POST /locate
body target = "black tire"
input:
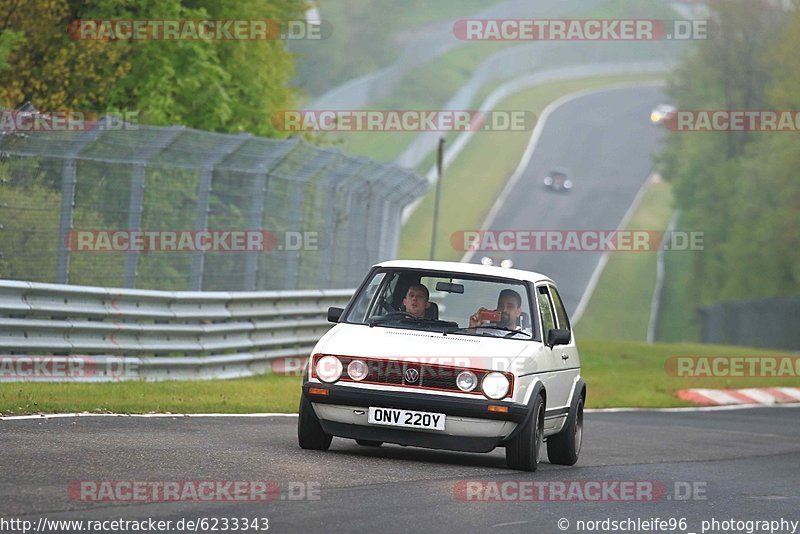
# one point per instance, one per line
(565, 447)
(369, 443)
(309, 432)
(524, 451)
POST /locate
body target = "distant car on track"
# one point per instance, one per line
(662, 113)
(410, 361)
(558, 180)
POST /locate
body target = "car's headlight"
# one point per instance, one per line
(548, 181)
(495, 385)
(467, 381)
(357, 370)
(655, 116)
(329, 369)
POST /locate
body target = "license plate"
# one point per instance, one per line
(405, 418)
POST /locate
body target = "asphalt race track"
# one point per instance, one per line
(606, 141)
(745, 465)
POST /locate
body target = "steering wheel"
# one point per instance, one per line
(386, 305)
(401, 314)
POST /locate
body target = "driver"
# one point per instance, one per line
(416, 300)
(509, 304)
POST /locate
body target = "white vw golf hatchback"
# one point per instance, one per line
(448, 356)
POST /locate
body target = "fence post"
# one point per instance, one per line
(331, 221)
(271, 162)
(304, 175)
(136, 206)
(224, 149)
(259, 189)
(69, 184)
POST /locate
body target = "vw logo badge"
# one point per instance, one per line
(411, 375)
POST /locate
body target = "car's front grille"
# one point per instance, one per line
(414, 374)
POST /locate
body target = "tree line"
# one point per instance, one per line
(217, 85)
(742, 189)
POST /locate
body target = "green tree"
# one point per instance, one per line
(222, 86)
(48, 68)
(740, 188)
(8, 40)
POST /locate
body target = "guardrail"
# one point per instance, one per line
(80, 333)
(655, 303)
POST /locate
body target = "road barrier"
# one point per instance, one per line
(768, 323)
(53, 332)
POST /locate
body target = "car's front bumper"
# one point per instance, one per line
(470, 426)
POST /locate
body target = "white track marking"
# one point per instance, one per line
(717, 396)
(265, 415)
(759, 395)
(792, 392)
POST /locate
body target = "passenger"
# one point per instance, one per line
(509, 304)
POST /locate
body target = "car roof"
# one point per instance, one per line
(466, 268)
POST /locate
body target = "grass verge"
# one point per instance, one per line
(609, 317)
(265, 393)
(676, 322)
(617, 373)
(632, 373)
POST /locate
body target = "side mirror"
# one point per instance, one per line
(334, 314)
(558, 337)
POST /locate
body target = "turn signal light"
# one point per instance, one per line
(499, 409)
(318, 391)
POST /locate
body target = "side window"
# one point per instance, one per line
(546, 311)
(561, 313)
(360, 310)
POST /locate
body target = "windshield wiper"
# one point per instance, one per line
(490, 326)
(393, 316)
(405, 317)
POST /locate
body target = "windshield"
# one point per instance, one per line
(450, 303)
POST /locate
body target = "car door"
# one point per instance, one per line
(559, 378)
(569, 358)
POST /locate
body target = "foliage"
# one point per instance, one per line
(226, 86)
(8, 40)
(740, 188)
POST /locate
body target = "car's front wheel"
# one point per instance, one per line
(525, 450)
(310, 434)
(565, 447)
